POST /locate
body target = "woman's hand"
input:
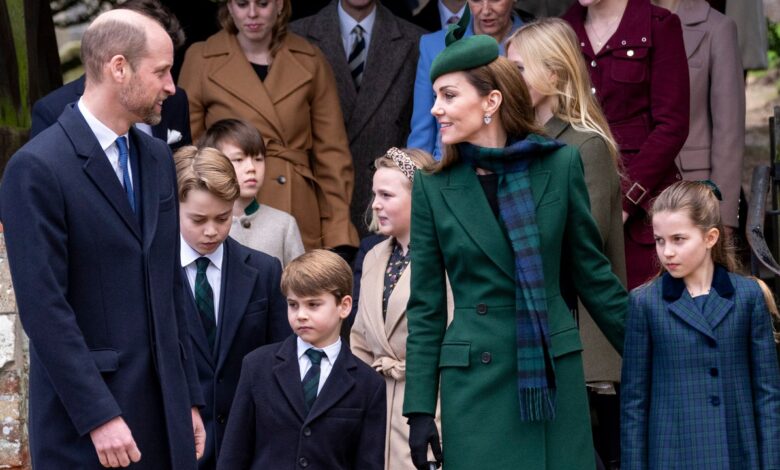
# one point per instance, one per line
(422, 433)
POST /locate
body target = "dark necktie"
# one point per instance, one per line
(204, 300)
(311, 381)
(357, 58)
(121, 144)
(453, 19)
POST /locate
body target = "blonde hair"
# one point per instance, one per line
(698, 201)
(206, 169)
(516, 113)
(315, 273)
(278, 30)
(550, 46)
(420, 158)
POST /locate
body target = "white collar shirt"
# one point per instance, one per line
(326, 366)
(445, 14)
(107, 140)
(347, 24)
(213, 271)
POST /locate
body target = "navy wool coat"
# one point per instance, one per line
(252, 313)
(700, 390)
(270, 429)
(98, 290)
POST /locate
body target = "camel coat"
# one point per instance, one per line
(308, 167)
(382, 345)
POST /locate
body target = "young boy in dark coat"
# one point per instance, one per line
(308, 402)
(235, 302)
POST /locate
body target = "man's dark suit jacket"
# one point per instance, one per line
(98, 291)
(175, 112)
(253, 313)
(377, 116)
(428, 18)
(269, 427)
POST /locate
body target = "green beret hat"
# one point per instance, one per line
(463, 53)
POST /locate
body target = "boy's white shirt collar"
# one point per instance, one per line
(331, 351)
(189, 255)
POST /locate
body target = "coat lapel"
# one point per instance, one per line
(326, 34)
(719, 303)
(340, 381)
(286, 75)
(235, 75)
(235, 297)
(287, 373)
(97, 166)
(687, 311)
(387, 52)
(150, 186)
(467, 201)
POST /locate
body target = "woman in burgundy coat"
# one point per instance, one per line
(637, 63)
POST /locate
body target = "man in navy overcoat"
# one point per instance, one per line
(90, 214)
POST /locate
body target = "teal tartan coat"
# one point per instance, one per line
(700, 391)
(473, 363)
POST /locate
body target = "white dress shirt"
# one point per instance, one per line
(445, 14)
(107, 140)
(331, 353)
(347, 24)
(213, 272)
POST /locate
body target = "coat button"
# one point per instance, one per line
(246, 224)
(593, 63)
(715, 401)
(711, 342)
(221, 419)
(482, 309)
(623, 42)
(714, 372)
(307, 431)
(630, 53)
(593, 90)
(303, 462)
(220, 380)
(486, 357)
(281, 179)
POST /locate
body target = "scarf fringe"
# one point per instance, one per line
(537, 404)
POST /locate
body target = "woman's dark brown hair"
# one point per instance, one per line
(516, 113)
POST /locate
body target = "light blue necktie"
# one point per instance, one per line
(121, 144)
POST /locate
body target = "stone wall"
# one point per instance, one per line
(13, 375)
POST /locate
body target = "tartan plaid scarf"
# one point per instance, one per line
(535, 372)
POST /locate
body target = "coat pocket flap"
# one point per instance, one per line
(257, 306)
(454, 355)
(565, 342)
(106, 360)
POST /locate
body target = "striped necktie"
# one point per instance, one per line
(204, 300)
(357, 58)
(121, 145)
(311, 381)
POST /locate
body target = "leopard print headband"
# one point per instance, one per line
(402, 161)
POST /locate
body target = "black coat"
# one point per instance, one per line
(269, 427)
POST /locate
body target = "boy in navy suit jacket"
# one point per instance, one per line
(235, 301)
(308, 401)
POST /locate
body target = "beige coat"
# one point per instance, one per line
(308, 167)
(382, 345)
(716, 136)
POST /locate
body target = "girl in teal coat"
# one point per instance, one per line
(497, 215)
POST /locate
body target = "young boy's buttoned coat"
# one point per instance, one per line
(700, 390)
(474, 360)
(270, 429)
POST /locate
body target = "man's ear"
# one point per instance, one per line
(119, 68)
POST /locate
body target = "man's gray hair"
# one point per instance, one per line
(106, 39)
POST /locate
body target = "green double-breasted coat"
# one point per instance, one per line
(473, 362)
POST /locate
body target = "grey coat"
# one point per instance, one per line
(377, 116)
(600, 360)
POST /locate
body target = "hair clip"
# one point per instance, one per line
(713, 187)
(402, 161)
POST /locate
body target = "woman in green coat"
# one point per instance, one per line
(501, 215)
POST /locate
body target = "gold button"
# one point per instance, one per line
(630, 53)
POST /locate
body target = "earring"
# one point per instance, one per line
(488, 118)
